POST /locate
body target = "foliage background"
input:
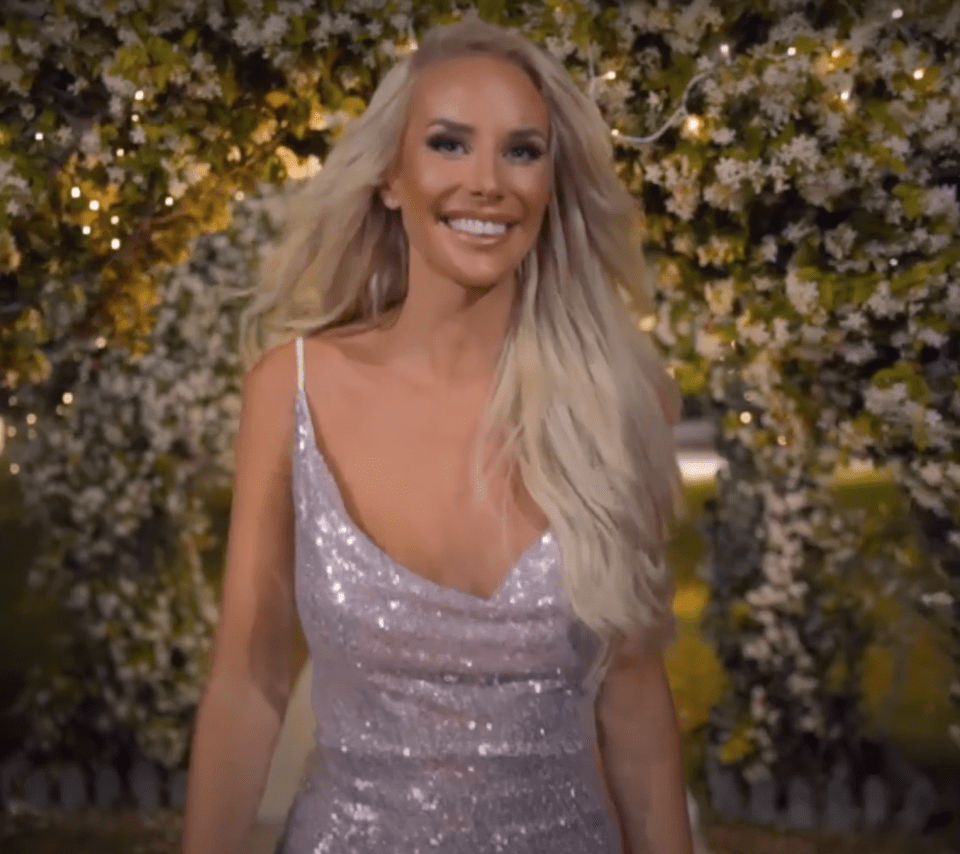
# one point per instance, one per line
(802, 211)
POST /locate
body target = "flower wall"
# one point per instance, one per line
(798, 165)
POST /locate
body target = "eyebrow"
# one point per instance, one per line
(519, 133)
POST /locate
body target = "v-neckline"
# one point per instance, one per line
(357, 531)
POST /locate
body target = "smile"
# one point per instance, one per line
(478, 230)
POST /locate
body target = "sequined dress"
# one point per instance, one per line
(446, 722)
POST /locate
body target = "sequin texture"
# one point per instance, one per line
(445, 722)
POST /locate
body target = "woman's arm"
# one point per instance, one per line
(639, 739)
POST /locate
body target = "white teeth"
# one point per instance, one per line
(476, 226)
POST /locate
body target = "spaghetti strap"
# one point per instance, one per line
(300, 364)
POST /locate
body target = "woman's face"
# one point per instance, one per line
(476, 146)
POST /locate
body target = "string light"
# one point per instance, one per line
(725, 49)
(119, 152)
(782, 441)
(67, 397)
(31, 418)
(791, 51)
(169, 201)
(94, 205)
(694, 124)
(114, 219)
(14, 468)
(101, 342)
(138, 95)
(75, 192)
(918, 74)
(38, 135)
(239, 196)
(115, 243)
(896, 14)
(745, 418)
(134, 118)
(845, 95)
(894, 262)
(86, 229)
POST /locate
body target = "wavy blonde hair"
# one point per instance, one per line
(581, 394)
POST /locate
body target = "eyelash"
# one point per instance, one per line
(534, 151)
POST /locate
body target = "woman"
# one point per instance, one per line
(465, 400)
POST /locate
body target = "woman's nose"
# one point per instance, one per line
(484, 175)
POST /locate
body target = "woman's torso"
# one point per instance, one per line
(453, 686)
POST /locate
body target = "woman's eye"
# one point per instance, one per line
(438, 142)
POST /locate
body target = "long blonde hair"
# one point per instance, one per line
(580, 393)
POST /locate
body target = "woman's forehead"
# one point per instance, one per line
(477, 87)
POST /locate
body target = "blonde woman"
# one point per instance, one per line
(455, 466)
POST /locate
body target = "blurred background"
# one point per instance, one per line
(798, 167)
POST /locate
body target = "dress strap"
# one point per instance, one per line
(300, 363)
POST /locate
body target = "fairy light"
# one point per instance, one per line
(11, 432)
(134, 118)
(610, 75)
(725, 49)
(896, 14)
(101, 342)
(694, 124)
(86, 229)
(31, 418)
(918, 74)
(845, 95)
(94, 205)
(835, 53)
(782, 441)
(38, 135)
(115, 243)
(745, 418)
(791, 51)
(67, 397)
(114, 219)
(75, 192)
(169, 201)
(14, 468)
(239, 196)
(120, 152)
(138, 95)
(894, 262)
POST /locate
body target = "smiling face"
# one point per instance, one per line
(476, 147)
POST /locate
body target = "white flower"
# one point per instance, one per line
(804, 296)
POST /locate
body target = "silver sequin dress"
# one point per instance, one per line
(446, 722)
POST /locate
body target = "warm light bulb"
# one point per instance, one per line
(694, 124)
(119, 152)
(614, 132)
(14, 468)
(75, 192)
(67, 397)
(918, 74)
(845, 96)
(38, 135)
(138, 95)
(725, 49)
(894, 262)
(791, 51)
(115, 243)
(134, 118)
(101, 342)
(169, 201)
(896, 14)
(239, 196)
(94, 205)
(610, 75)
(782, 441)
(745, 418)
(31, 418)
(114, 219)
(835, 52)
(86, 229)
